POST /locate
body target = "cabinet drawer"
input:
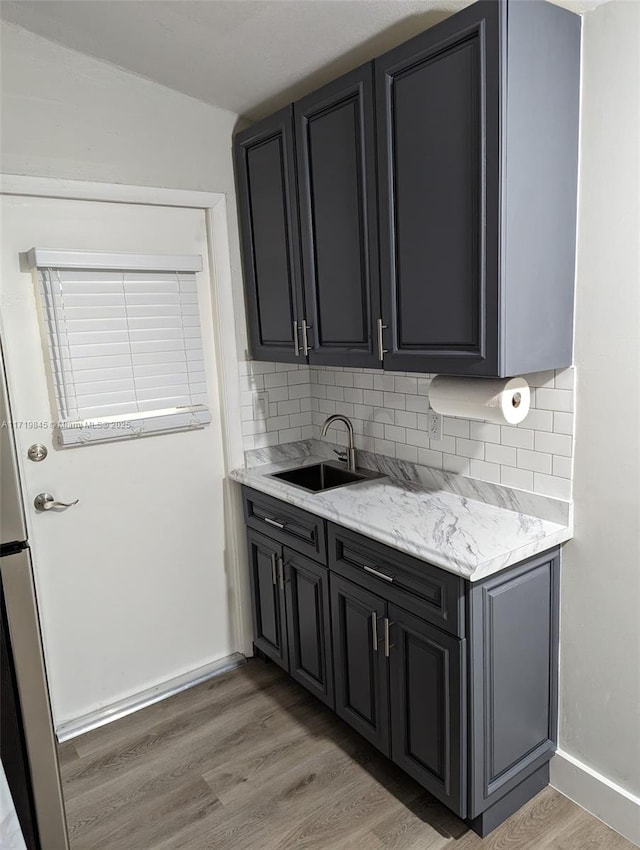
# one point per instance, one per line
(301, 531)
(427, 591)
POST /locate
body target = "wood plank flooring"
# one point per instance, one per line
(251, 761)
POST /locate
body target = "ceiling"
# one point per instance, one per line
(247, 56)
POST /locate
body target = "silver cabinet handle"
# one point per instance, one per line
(377, 573)
(305, 341)
(381, 349)
(274, 580)
(45, 501)
(387, 645)
(274, 522)
(296, 341)
(374, 630)
(281, 573)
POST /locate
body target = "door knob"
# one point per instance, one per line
(45, 501)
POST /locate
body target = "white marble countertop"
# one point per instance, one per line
(461, 535)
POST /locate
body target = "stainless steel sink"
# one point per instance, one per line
(319, 477)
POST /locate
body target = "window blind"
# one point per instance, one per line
(125, 350)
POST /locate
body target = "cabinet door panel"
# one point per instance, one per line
(308, 623)
(361, 672)
(267, 598)
(265, 175)
(437, 99)
(427, 706)
(335, 142)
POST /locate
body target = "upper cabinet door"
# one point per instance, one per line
(267, 203)
(437, 100)
(335, 144)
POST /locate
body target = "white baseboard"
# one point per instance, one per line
(107, 714)
(611, 803)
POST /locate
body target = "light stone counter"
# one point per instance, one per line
(464, 536)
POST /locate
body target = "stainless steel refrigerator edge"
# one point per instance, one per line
(26, 645)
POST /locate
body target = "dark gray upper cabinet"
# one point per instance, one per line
(477, 129)
(268, 212)
(335, 146)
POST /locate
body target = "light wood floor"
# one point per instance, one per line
(250, 760)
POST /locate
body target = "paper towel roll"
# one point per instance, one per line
(502, 401)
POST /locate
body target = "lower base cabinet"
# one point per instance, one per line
(456, 682)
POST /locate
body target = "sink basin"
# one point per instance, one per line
(324, 476)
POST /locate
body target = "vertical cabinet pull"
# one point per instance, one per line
(374, 630)
(305, 341)
(387, 628)
(281, 573)
(381, 349)
(273, 569)
(296, 341)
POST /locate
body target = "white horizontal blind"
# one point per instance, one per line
(125, 350)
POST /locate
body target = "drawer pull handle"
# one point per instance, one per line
(374, 630)
(377, 573)
(274, 522)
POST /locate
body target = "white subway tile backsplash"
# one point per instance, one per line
(469, 448)
(406, 452)
(364, 381)
(393, 432)
(275, 379)
(278, 394)
(557, 444)
(455, 427)
(562, 466)
(550, 485)
(406, 419)
(374, 397)
(504, 455)
(390, 411)
(534, 461)
(384, 382)
(406, 385)
(565, 379)
(384, 447)
(563, 423)
(521, 438)
(547, 399)
(288, 407)
(540, 379)
(538, 420)
(485, 431)
(417, 403)
(427, 457)
(521, 479)
(394, 400)
(344, 379)
(446, 444)
(458, 465)
(485, 471)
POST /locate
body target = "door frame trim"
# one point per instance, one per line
(214, 206)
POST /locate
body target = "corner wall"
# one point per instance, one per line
(599, 762)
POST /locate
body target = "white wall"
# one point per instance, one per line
(600, 627)
(67, 115)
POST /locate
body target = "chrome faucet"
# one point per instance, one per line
(350, 454)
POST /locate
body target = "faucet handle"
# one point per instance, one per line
(341, 455)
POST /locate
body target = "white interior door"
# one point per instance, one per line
(131, 581)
